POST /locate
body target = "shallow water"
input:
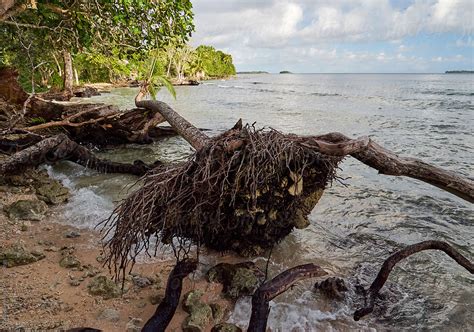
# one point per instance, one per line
(353, 228)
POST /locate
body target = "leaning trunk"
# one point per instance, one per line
(68, 79)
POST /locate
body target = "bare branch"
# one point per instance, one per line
(390, 263)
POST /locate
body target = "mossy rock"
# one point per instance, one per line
(52, 191)
(69, 262)
(16, 255)
(217, 312)
(238, 279)
(26, 210)
(226, 327)
(102, 286)
(200, 313)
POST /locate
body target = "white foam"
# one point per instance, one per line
(301, 315)
(85, 208)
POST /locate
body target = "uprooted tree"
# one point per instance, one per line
(243, 190)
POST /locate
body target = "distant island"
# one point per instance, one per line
(253, 72)
(459, 72)
(286, 72)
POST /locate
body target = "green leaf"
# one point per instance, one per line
(163, 80)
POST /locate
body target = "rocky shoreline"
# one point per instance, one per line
(53, 275)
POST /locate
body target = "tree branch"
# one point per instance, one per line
(271, 289)
(60, 147)
(390, 263)
(389, 163)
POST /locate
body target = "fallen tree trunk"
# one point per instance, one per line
(167, 307)
(390, 263)
(247, 189)
(336, 144)
(271, 289)
(60, 147)
(190, 133)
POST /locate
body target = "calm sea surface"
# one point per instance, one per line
(354, 227)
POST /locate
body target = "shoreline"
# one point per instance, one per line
(45, 295)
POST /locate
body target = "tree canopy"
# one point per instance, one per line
(77, 24)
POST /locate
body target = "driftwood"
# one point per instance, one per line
(390, 263)
(271, 289)
(167, 307)
(336, 144)
(60, 147)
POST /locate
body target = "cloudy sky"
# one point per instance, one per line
(340, 35)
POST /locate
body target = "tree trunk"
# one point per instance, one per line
(167, 307)
(60, 147)
(190, 133)
(68, 79)
(271, 289)
(336, 144)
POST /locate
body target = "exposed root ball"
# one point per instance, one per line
(244, 191)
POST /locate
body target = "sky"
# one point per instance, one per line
(340, 36)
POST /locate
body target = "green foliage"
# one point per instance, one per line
(109, 38)
(135, 25)
(155, 80)
(214, 63)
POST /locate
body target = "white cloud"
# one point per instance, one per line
(276, 30)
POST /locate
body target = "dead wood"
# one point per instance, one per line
(15, 140)
(167, 307)
(389, 163)
(60, 147)
(190, 133)
(336, 144)
(271, 289)
(390, 263)
(247, 189)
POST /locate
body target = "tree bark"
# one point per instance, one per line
(389, 163)
(390, 263)
(167, 307)
(184, 128)
(68, 79)
(271, 289)
(60, 147)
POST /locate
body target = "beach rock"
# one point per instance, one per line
(134, 325)
(85, 92)
(26, 210)
(200, 313)
(72, 234)
(69, 261)
(333, 288)
(141, 282)
(17, 254)
(51, 191)
(226, 327)
(102, 286)
(239, 280)
(74, 282)
(109, 314)
(217, 312)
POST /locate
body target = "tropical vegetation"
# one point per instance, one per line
(58, 43)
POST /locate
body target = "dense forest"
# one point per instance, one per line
(58, 44)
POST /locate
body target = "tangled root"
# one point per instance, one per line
(244, 191)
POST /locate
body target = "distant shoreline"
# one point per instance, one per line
(459, 72)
